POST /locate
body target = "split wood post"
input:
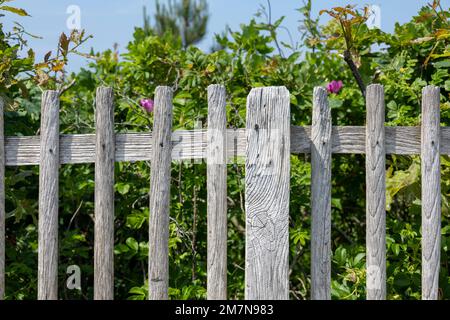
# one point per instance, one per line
(217, 194)
(431, 192)
(48, 198)
(375, 194)
(267, 187)
(160, 196)
(2, 202)
(321, 197)
(104, 196)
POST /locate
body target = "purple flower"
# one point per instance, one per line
(334, 86)
(147, 104)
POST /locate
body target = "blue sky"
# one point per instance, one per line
(113, 21)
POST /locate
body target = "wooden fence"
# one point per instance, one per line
(266, 143)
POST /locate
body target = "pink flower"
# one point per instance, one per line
(147, 104)
(334, 86)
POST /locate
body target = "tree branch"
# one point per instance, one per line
(355, 72)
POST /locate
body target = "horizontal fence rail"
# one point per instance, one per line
(266, 144)
(192, 144)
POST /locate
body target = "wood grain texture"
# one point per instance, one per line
(130, 147)
(160, 196)
(2, 201)
(217, 194)
(48, 198)
(431, 192)
(321, 197)
(104, 196)
(267, 186)
(375, 194)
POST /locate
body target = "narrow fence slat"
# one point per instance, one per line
(2, 202)
(160, 196)
(217, 194)
(48, 198)
(375, 194)
(267, 186)
(321, 197)
(104, 196)
(431, 192)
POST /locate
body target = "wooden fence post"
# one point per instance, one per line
(431, 192)
(160, 196)
(217, 194)
(48, 198)
(375, 194)
(2, 202)
(267, 187)
(104, 196)
(321, 197)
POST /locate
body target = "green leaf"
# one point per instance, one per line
(136, 220)
(447, 85)
(123, 188)
(133, 244)
(121, 248)
(442, 64)
(18, 11)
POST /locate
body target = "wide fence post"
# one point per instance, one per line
(48, 198)
(267, 187)
(2, 202)
(217, 194)
(160, 196)
(375, 194)
(431, 192)
(321, 196)
(104, 196)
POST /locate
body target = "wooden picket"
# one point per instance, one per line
(375, 194)
(217, 194)
(431, 192)
(104, 196)
(321, 197)
(266, 143)
(2, 202)
(158, 257)
(267, 185)
(48, 198)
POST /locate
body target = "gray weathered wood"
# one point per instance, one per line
(375, 194)
(431, 193)
(321, 197)
(217, 194)
(80, 148)
(160, 196)
(2, 202)
(48, 198)
(104, 196)
(267, 184)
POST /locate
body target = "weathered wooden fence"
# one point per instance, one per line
(266, 143)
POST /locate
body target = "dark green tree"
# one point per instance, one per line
(186, 19)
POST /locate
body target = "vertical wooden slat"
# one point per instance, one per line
(431, 192)
(321, 197)
(217, 194)
(160, 196)
(48, 198)
(2, 202)
(104, 196)
(267, 182)
(375, 194)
